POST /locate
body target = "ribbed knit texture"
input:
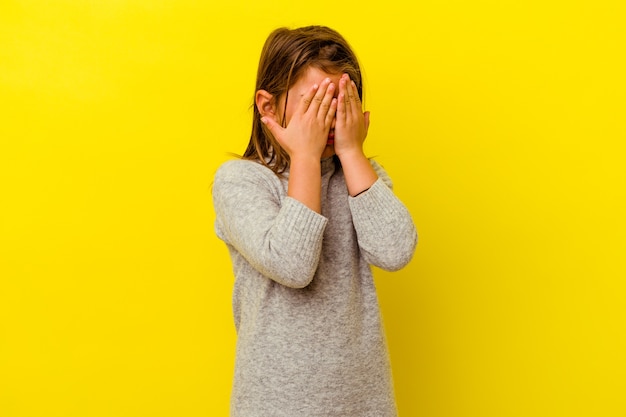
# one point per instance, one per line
(310, 341)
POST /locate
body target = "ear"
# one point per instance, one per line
(265, 103)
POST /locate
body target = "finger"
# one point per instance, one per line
(318, 98)
(307, 98)
(273, 126)
(355, 101)
(349, 97)
(342, 107)
(326, 101)
(330, 115)
(366, 118)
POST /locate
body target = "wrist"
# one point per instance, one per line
(349, 156)
(305, 181)
(358, 172)
(305, 159)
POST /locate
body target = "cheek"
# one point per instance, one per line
(289, 111)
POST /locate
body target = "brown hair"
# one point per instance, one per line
(285, 57)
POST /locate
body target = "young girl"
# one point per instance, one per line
(304, 214)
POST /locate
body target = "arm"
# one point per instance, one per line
(304, 140)
(279, 236)
(350, 132)
(385, 230)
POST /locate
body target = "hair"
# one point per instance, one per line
(285, 57)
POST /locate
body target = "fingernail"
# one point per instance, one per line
(264, 120)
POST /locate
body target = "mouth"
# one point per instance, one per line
(331, 138)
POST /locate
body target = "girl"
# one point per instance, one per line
(304, 214)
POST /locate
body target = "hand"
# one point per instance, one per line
(307, 130)
(352, 123)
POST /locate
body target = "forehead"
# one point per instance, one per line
(313, 75)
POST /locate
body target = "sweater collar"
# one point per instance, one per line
(328, 164)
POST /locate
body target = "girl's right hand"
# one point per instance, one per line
(307, 129)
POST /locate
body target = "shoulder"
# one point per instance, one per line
(239, 166)
(243, 169)
(244, 173)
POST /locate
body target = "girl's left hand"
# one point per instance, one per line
(352, 123)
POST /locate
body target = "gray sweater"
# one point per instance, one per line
(310, 341)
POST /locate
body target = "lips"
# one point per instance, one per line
(331, 138)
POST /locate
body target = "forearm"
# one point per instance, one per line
(358, 171)
(279, 237)
(385, 229)
(305, 182)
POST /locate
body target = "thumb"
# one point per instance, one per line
(272, 125)
(366, 119)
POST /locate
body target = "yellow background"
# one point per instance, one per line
(502, 124)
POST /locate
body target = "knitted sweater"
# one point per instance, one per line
(310, 341)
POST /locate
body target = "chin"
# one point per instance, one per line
(328, 151)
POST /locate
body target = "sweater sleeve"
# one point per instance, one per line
(277, 235)
(385, 231)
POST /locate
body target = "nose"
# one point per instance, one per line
(332, 125)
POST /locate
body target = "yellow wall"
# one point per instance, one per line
(501, 122)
